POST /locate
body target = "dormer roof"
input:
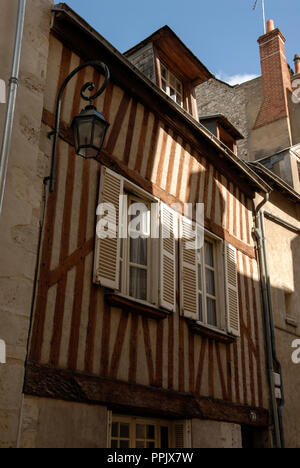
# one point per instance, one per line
(182, 59)
(224, 122)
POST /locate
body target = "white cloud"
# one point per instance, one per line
(235, 79)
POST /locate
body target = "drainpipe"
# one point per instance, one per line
(272, 328)
(272, 359)
(12, 97)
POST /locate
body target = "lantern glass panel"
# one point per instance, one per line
(85, 128)
(89, 130)
(100, 128)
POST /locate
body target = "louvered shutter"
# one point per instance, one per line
(233, 313)
(107, 251)
(182, 435)
(168, 234)
(188, 271)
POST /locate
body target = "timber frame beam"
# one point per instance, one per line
(49, 382)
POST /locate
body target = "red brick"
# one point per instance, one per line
(276, 78)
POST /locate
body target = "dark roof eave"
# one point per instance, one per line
(168, 30)
(226, 123)
(275, 181)
(257, 182)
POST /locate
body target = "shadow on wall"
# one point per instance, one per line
(291, 370)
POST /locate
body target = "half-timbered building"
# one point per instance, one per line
(143, 342)
(129, 337)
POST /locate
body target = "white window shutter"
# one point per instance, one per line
(168, 235)
(188, 271)
(233, 312)
(107, 251)
(182, 437)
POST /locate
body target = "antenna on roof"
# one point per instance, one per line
(263, 12)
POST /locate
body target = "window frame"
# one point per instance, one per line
(134, 191)
(205, 295)
(167, 80)
(219, 269)
(125, 261)
(133, 421)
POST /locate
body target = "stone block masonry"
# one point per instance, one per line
(19, 222)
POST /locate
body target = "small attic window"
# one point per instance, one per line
(171, 85)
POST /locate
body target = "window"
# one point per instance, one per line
(131, 432)
(140, 264)
(120, 435)
(171, 85)
(207, 287)
(139, 433)
(135, 252)
(209, 294)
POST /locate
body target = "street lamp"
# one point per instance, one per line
(89, 130)
(89, 127)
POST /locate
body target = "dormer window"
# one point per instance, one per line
(171, 85)
(168, 63)
(219, 126)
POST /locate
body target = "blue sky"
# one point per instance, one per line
(222, 33)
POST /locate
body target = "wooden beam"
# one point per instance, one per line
(49, 382)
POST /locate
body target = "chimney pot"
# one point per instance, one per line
(297, 64)
(270, 26)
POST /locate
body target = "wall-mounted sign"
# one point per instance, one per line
(2, 352)
(2, 92)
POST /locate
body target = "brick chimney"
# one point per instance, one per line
(276, 77)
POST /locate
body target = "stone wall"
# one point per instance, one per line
(213, 434)
(241, 105)
(19, 222)
(57, 424)
(216, 97)
(283, 249)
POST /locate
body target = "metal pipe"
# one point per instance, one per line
(272, 329)
(282, 222)
(269, 324)
(12, 97)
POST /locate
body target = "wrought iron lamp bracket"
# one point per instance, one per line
(90, 86)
